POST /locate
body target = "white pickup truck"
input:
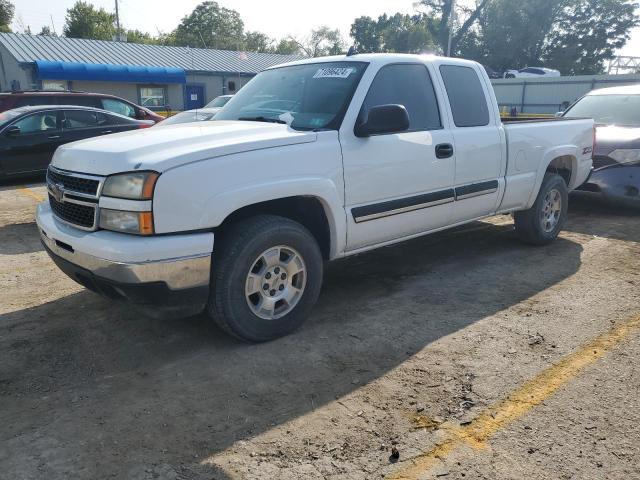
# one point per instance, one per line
(311, 161)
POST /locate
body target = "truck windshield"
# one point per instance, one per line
(608, 109)
(313, 96)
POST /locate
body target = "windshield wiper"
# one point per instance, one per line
(263, 119)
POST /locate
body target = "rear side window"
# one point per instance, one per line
(466, 96)
(408, 85)
(79, 119)
(118, 106)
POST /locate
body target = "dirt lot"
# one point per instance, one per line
(472, 355)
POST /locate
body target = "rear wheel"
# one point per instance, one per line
(266, 277)
(542, 223)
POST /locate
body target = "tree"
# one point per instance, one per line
(587, 33)
(287, 46)
(257, 42)
(46, 31)
(398, 33)
(211, 26)
(137, 36)
(322, 41)
(83, 20)
(439, 15)
(7, 10)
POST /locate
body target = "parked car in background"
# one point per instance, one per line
(531, 72)
(11, 100)
(218, 102)
(236, 216)
(189, 116)
(30, 135)
(616, 155)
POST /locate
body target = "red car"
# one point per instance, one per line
(11, 100)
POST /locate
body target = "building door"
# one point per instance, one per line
(194, 97)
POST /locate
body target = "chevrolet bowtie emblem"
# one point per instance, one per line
(57, 191)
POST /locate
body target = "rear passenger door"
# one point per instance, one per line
(81, 124)
(478, 139)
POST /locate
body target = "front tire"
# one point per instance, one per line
(541, 224)
(267, 275)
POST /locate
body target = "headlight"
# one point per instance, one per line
(140, 223)
(132, 185)
(626, 155)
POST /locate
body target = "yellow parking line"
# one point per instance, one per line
(30, 193)
(519, 402)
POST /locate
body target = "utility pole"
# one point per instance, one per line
(118, 39)
(451, 15)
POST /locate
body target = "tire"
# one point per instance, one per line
(259, 252)
(542, 223)
(509, 75)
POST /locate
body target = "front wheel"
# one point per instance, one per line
(542, 223)
(266, 277)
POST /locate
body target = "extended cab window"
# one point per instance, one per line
(408, 85)
(466, 96)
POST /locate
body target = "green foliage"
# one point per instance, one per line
(83, 20)
(211, 26)
(46, 31)
(137, 36)
(587, 33)
(257, 42)
(287, 46)
(6, 15)
(398, 33)
(322, 41)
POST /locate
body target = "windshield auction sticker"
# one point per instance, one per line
(333, 72)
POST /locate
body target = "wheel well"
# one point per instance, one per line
(307, 211)
(562, 166)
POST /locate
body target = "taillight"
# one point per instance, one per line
(145, 125)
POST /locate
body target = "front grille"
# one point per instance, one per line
(81, 215)
(73, 183)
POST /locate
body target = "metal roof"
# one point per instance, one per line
(29, 48)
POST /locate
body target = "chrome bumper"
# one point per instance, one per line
(178, 273)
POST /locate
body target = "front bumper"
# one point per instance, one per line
(171, 271)
(617, 184)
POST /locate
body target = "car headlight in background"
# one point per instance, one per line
(626, 155)
(131, 186)
(139, 223)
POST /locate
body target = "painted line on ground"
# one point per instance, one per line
(525, 398)
(30, 193)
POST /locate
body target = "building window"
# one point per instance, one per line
(54, 85)
(232, 85)
(153, 97)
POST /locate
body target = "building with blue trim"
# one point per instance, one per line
(154, 76)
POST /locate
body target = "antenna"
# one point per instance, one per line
(53, 27)
(118, 38)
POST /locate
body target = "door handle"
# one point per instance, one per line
(444, 150)
(53, 137)
(107, 131)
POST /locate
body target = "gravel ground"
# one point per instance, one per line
(407, 345)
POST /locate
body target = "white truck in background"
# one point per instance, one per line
(311, 161)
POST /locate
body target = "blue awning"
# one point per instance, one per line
(104, 72)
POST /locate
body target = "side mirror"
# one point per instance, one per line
(383, 119)
(12, 131)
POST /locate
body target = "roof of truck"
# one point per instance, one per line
(384, 58)
(622, 90)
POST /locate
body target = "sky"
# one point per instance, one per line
(276, 18)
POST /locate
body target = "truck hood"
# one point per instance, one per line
(162, 148)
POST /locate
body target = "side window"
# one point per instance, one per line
(74, 119)
(466, 96)
(79, 100)
(408, 85)
(118, 106)
(35, 100)
(37, 123)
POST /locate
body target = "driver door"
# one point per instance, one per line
(398, 184)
